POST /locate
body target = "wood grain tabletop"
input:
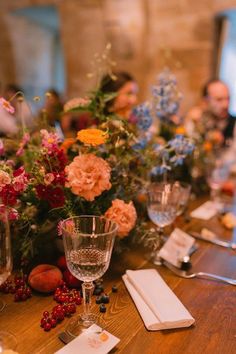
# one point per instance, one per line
(211, 303)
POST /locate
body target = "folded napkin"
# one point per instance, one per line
(158, 306)
(207, 210)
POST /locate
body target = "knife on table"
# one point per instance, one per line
(215, 241)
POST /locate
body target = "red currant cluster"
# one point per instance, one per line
(65, 295)
(18, 287)
(58, 314)
(67, 299)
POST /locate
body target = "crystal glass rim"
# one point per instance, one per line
(89, 217)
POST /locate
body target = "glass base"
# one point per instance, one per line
(153, 258)
(7, 341)
(81, 323)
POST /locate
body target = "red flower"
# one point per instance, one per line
(53, 195)
(8, 195)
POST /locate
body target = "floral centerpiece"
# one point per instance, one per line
(100, 172)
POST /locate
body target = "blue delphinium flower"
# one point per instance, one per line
(181, 145)
(143, 114)
(166, 96)
(140, 145)
(159, 170)
(177, 160)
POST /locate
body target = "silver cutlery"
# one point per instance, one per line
(65, 337)
(188, 275)
(215, 241)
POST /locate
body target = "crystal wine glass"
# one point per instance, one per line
(88, 241)
(217, 174)
(185, 190)
(7, 339)
(5, 251)
(163, 203)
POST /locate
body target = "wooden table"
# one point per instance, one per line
(211, 303)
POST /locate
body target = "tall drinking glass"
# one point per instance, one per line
(163, 203)
(7, 339)
(217, 175)
(88, 241)
(185, 191)
(5, 252)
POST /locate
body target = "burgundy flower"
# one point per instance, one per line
(9, 195)
(53, 195)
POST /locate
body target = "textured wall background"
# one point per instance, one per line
(145, 36)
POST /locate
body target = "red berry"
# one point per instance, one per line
(43, 322)
(53, 322)
(46, 314)
(71, 308)
(47, 327)
(78, 300)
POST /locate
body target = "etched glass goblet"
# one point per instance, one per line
(217, 174)
(88, 242)
(5, 251)
(185, 190)
(162, 206)
(7, 339)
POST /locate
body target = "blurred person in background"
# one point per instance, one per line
(126, 89)
(8, 124)
(212, 116)
(53, 107)
(52, 110)
(23, 113)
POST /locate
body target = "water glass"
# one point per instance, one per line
(163, 203)
(185, 191)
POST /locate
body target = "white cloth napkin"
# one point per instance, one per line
(158, 306)
(206, 211)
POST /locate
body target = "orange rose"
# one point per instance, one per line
(92, 137)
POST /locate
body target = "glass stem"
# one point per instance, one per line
(87, 288)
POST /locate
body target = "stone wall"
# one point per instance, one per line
(146, 35)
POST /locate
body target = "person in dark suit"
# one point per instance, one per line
(212, 118)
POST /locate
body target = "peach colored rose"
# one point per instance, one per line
(124, 214)
(88, 176)
(4, 179)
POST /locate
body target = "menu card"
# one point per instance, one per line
(207, 210)
(176, 247)
(94, 340)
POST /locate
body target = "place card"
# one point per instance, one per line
(176, 247)
(206, 211)
(94, 340)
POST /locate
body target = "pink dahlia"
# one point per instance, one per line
(124, 214)
(88, 176)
